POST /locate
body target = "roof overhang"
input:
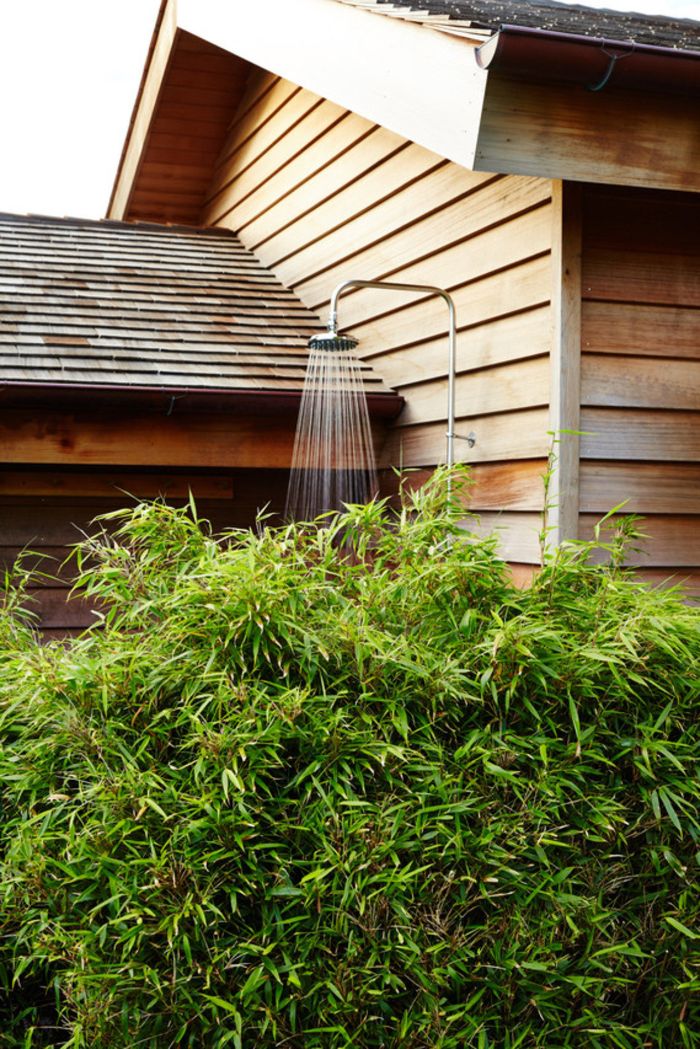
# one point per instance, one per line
(170, 400)
(368, 65)
(527, 101)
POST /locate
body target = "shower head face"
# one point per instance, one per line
(332, 342)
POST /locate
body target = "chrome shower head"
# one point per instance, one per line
(332, 342)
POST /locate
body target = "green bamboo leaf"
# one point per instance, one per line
(221, 1003)
(680, 927)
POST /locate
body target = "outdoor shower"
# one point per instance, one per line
(333, 459)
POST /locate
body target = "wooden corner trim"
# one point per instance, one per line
(565, 396)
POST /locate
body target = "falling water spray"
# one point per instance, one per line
(333, 459)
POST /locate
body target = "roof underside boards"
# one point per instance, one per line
(197, 99)
(488, 16)
(139, 305)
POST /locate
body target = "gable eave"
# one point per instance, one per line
(152, 78)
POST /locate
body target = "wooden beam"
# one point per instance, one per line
(565, 396)
(425, 86)
(220, 441)
(149, 93)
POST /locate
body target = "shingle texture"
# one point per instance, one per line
(110, 303)
(490, 15)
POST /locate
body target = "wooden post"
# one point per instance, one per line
(565, 396)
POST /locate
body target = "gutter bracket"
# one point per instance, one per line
(614, 57)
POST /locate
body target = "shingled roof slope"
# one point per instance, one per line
(104, 303)
(487, 16)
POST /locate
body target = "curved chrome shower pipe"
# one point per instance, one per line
(420, 289)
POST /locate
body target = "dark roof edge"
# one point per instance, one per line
(546, 54)
(168, 398)
(600, 41)
(106, 223)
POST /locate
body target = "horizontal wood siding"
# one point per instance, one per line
(640, 382)
(322, 195)
(620, 137)
(43, 513)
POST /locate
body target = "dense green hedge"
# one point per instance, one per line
(349, 787)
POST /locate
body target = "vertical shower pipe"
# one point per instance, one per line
(420, 289)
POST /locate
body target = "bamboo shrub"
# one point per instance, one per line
(349, 787)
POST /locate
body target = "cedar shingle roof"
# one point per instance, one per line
(112, 303)
(487, 16)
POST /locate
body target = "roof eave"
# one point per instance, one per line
(169, 399)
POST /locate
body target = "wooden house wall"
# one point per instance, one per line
(321, 195)
(45, 511)
(640, 370)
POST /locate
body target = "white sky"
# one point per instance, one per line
(69, 72)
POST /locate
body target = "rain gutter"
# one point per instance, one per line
(591, 62)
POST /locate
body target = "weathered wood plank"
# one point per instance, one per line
(388, 193)
(636, 434)
(663, 278)
(143, 116)
(51, 525)
(645, 488)
(687, 579)
(610, 381)
(364, 222)
(638, 330)
(337, 152)
(321, 162)
(263, 95)
(256, 155)
(59, 612)
(612, 219)
(48, 563)
(247, 173)
(562, 131)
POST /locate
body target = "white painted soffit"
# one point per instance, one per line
(425, 86)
